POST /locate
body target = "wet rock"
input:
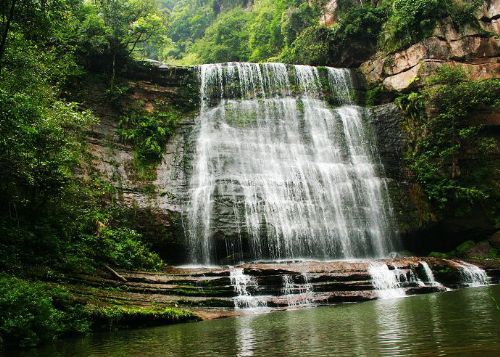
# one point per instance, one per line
(495, 240)
(208, 290)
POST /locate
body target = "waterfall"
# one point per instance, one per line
(279, 172)
(386, 282)
(242, 284)
(429, 275)
(297, 294)
(340, 81)
(472, 275)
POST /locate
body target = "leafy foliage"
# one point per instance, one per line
(53, 208)
(149, 132)
(32, 313)
(289, 29)
(443, 136)
(411, 21)
(355, 33)
(226, 39)
(312, 47)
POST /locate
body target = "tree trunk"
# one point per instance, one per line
(5, 33)
(113, 71)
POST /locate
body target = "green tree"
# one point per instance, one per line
(128, 25)
(226, 39)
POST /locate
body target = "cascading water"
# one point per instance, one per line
(473, 275)
(297, 177)
(297, 294)
(242, 284)
(431, 280)
(385, 281)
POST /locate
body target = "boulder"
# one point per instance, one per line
(495, 240)
(479, 250)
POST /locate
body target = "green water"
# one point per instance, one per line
(464, 322)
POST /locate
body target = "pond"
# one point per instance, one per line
(465, 322)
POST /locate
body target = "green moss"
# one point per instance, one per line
(208, 303)
(463, 249)
(438, 255)
(202, 292)
(443, 270)
(126, 316)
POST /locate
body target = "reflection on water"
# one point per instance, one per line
(464, 322)
(245, 337)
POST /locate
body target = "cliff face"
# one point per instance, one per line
(156, 199)
(476, 49)
(160, 201)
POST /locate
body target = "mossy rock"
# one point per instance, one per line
(438, 255)
(463, 249)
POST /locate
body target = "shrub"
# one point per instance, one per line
(32, 313)
(310, 47)
(443, 139)
(149, 132)
(412, 21)
(226, 39)
(122, 247)
(352, 40)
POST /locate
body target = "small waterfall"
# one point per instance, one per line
(429, 275)
(297, 294)
(289, 175)
(387, 282)
(473, 275)
(340, 81)
(415, 279)
(242, 284)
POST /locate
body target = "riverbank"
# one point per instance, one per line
(108, 299)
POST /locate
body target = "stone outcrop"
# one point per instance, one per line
(210, 292)
(476, 49)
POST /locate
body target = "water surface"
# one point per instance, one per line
(464, 322)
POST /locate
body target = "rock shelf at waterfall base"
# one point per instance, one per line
(224, 291)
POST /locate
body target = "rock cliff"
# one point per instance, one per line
(476, 49)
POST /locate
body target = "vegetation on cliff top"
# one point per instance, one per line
(58, 214)
(289, 30)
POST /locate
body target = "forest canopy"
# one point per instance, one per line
(296, 31)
